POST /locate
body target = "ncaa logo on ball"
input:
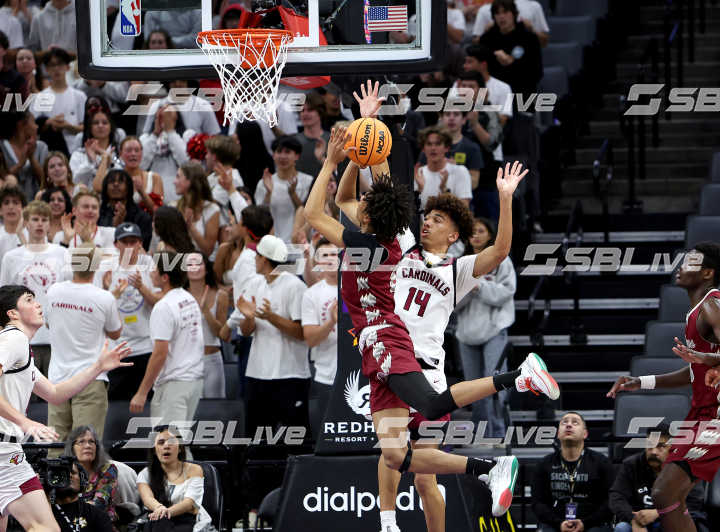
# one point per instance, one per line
(380, 142)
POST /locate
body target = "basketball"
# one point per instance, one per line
(372, 140)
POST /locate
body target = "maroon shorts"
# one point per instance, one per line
(390, 352)
(702, 454)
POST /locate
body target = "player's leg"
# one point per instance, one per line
(32, 511)
(669, 491)
(432, 500)
(388, 481)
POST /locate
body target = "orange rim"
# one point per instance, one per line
(229, 38)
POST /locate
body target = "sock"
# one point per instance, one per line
(478, 466)
(506, 381)
(387, 518)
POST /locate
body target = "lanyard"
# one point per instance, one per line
(74, 527)
(571, 477)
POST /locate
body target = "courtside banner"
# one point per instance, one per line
(330, 493)
(347, 427)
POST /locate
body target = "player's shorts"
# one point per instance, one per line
(387, 351)
(702, 454)
(16, 475)
(437, 380)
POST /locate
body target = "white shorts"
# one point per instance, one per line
(16, 475)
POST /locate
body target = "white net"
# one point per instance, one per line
(250, 65)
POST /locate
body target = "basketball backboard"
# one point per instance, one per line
(109, 30)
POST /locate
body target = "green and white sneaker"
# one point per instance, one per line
(534, 377)
(501, 481)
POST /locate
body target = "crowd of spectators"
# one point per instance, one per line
(82, 177)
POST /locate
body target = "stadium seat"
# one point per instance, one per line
(713, 492)
(269, 508)
(674, 303)
(231, 381)
(573, 8)
(223, 410)
(659, 337)
(117, 419)
(566, 54)
(572, 29)
(715, 168)
(212, 493)
(669, 406)
(701, 229)
(642, 365)
(555, 81)
(38, 411)
(710, 198)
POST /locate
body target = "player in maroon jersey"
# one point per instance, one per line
(699, 459)
(396, 378)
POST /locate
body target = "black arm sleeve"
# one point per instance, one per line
(621, 494)
(542, 505)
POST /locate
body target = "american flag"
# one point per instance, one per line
(387, 18)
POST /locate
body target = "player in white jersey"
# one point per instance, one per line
(21, 494)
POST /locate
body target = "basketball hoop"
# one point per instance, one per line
(249, 63)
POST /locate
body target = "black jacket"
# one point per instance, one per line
(632, 489)
(81, 516)
(551, 489)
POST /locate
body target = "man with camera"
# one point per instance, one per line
(21, 493)
(72, 514)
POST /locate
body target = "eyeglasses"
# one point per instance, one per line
(83, 443)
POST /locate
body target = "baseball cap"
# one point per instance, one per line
(127, 229)
(273, 248)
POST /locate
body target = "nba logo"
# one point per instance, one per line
(130, 17)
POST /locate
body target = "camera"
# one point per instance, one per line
(54, 473)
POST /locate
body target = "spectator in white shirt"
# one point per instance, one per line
(99, 137)
(149, 188)
(530, 13)
(498, 92)
(128, 279)
(319, 321)
(278, 371)
(286, 189)
(439, 176)
(79, 316)
(175, 369)
(68, 111)
(86, 212)
(197, 113)
(23, 152)
(222, 153)
(164, 149)
(11, 27)
(57, 173)
(54, 26)
(37, 265)
(60, 205)
(196, 204)
(12, 202)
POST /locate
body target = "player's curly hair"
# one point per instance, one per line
(456, 209)
(389, 206)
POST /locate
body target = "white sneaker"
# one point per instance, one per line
(534, 377)
(391, 528)
(501, 481)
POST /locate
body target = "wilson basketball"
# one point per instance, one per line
(372, 140)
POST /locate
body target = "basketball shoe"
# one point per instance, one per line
(534, 377)
(501, 481)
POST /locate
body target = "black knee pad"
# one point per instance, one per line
(405, 466)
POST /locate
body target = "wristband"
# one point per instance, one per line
(647, 382)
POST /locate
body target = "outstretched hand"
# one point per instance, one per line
(508, 180)
(370, 103)
(113, 358)
(336, 152)
(624, 384)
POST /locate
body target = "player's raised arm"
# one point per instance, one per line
(315, 213)
(489, 258)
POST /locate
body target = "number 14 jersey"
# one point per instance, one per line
(426, 289)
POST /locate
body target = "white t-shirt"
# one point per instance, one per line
(78, 314)
(458, 182)
(281, 205)
(529, 10)
(210, 208)
(219, 194)
(12, 29)
(243, 271)
(71, 104)
(273, 354)
(177, 319)
(316, 303)
(15, 388)
(104, 237)
(8, 241)
(134, 310)
(426, 296)
(455, 18)
(37, 269)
